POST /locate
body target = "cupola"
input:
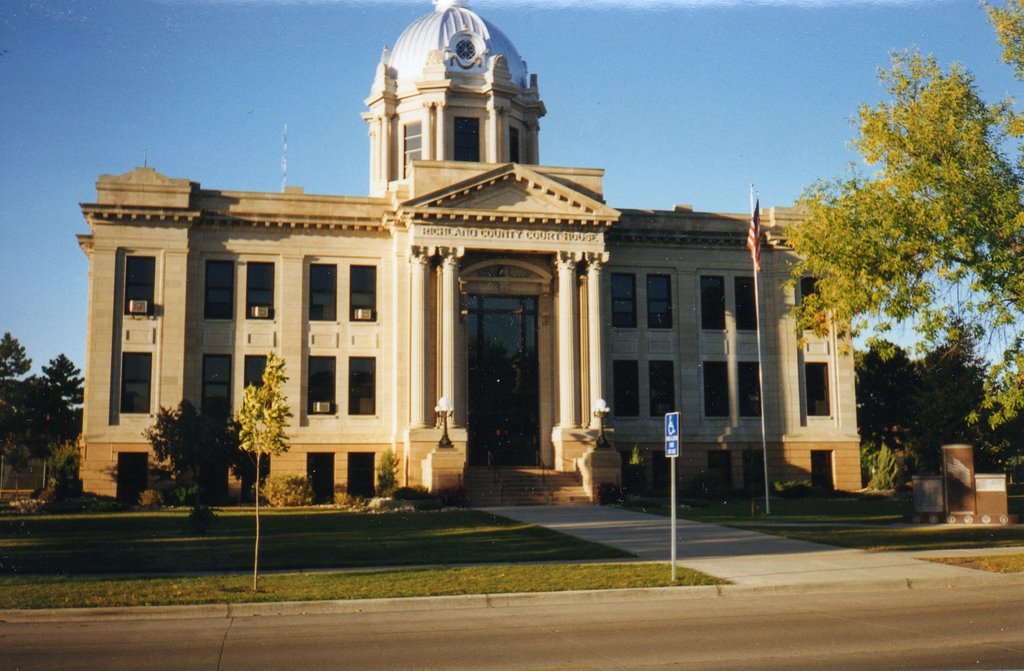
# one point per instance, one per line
(454, 88)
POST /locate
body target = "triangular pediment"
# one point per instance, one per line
(513, 192)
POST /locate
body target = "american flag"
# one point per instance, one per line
(754, 236)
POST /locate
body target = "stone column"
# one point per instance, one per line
(448, 319)
(430, 133)
(418, 269)
(568, 354)
(595, 262)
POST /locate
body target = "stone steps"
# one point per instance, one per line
(508, 486)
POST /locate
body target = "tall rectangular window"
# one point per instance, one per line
(139, 280)
(252, 374)
(712, 302)
(659, 302)
(413, 146)
(259, 290)
(362, 385)
(216, 398)
(808, 286)
(467, 139)
(320, 396)
(623, 300)
(363, 293)
(749, 387)
(513, 145)
(662, 387)
(816, 384)
(746, 304)
(323, 292)
(220, 290)
(626, 378)
(136, 374)
(716, 389)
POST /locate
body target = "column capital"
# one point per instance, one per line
(450, 255)
(566, 260)
(420, 254)
(595, 260)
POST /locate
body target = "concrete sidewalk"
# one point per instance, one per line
(746, 558)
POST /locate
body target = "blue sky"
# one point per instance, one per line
(680, 101)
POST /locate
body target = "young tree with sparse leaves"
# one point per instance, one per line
(262, 419)
(934, 235)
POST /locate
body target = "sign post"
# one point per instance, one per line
(672, 451)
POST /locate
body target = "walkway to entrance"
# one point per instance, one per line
(743, 557)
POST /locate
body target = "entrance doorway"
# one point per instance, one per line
(821, 470)
(504, 390)
(132, 475)
(320, 470)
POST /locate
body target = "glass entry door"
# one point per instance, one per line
(504, 394)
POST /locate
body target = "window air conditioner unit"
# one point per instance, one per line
(363, 315)
(138, 307)
(321, 407)
(261, 311)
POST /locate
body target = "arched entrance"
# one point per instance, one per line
(503, 301)
(504, 392)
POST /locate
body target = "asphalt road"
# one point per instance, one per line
(976, 627)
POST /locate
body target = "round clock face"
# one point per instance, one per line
(465, 49)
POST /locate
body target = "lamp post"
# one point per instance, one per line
(444, 410)
(600, 410)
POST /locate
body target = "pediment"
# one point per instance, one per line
(513, 192)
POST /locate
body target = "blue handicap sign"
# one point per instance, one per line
(672, 434)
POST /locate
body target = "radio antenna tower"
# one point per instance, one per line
(284, 160)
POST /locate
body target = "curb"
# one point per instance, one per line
(512, 600)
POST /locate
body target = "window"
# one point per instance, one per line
(323, 292)
(816, 381)
(467, 139)
(136, 372)
(720, 462)
(712, 302)
(662, 387)
(320, 387)
(623, 300)
(220, 290)
(216, 400)
(513, 144)
(363, 293)
(746, 304)
(362, 385)
(413, 149)
(716, 389)
(808, 286)
(252, 374)
(626, 377)
(659, 302)
(749, 384)
(259, 290)
(139, 276)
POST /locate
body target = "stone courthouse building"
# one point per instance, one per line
(473, 273)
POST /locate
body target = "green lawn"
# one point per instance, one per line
(159, 542)
(64, 592)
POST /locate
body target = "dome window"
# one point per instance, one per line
(465, 49)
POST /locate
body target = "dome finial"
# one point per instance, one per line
(442, 5)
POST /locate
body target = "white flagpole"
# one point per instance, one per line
(760, 366)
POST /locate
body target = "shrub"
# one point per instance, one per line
(387, 473)
(885, 474)
(287, 490)
(452, 496)
(346, 500)
(151, 498)
(793, 489)
(64, 480)
(416, 493)
(200, 519)
(609, 494)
